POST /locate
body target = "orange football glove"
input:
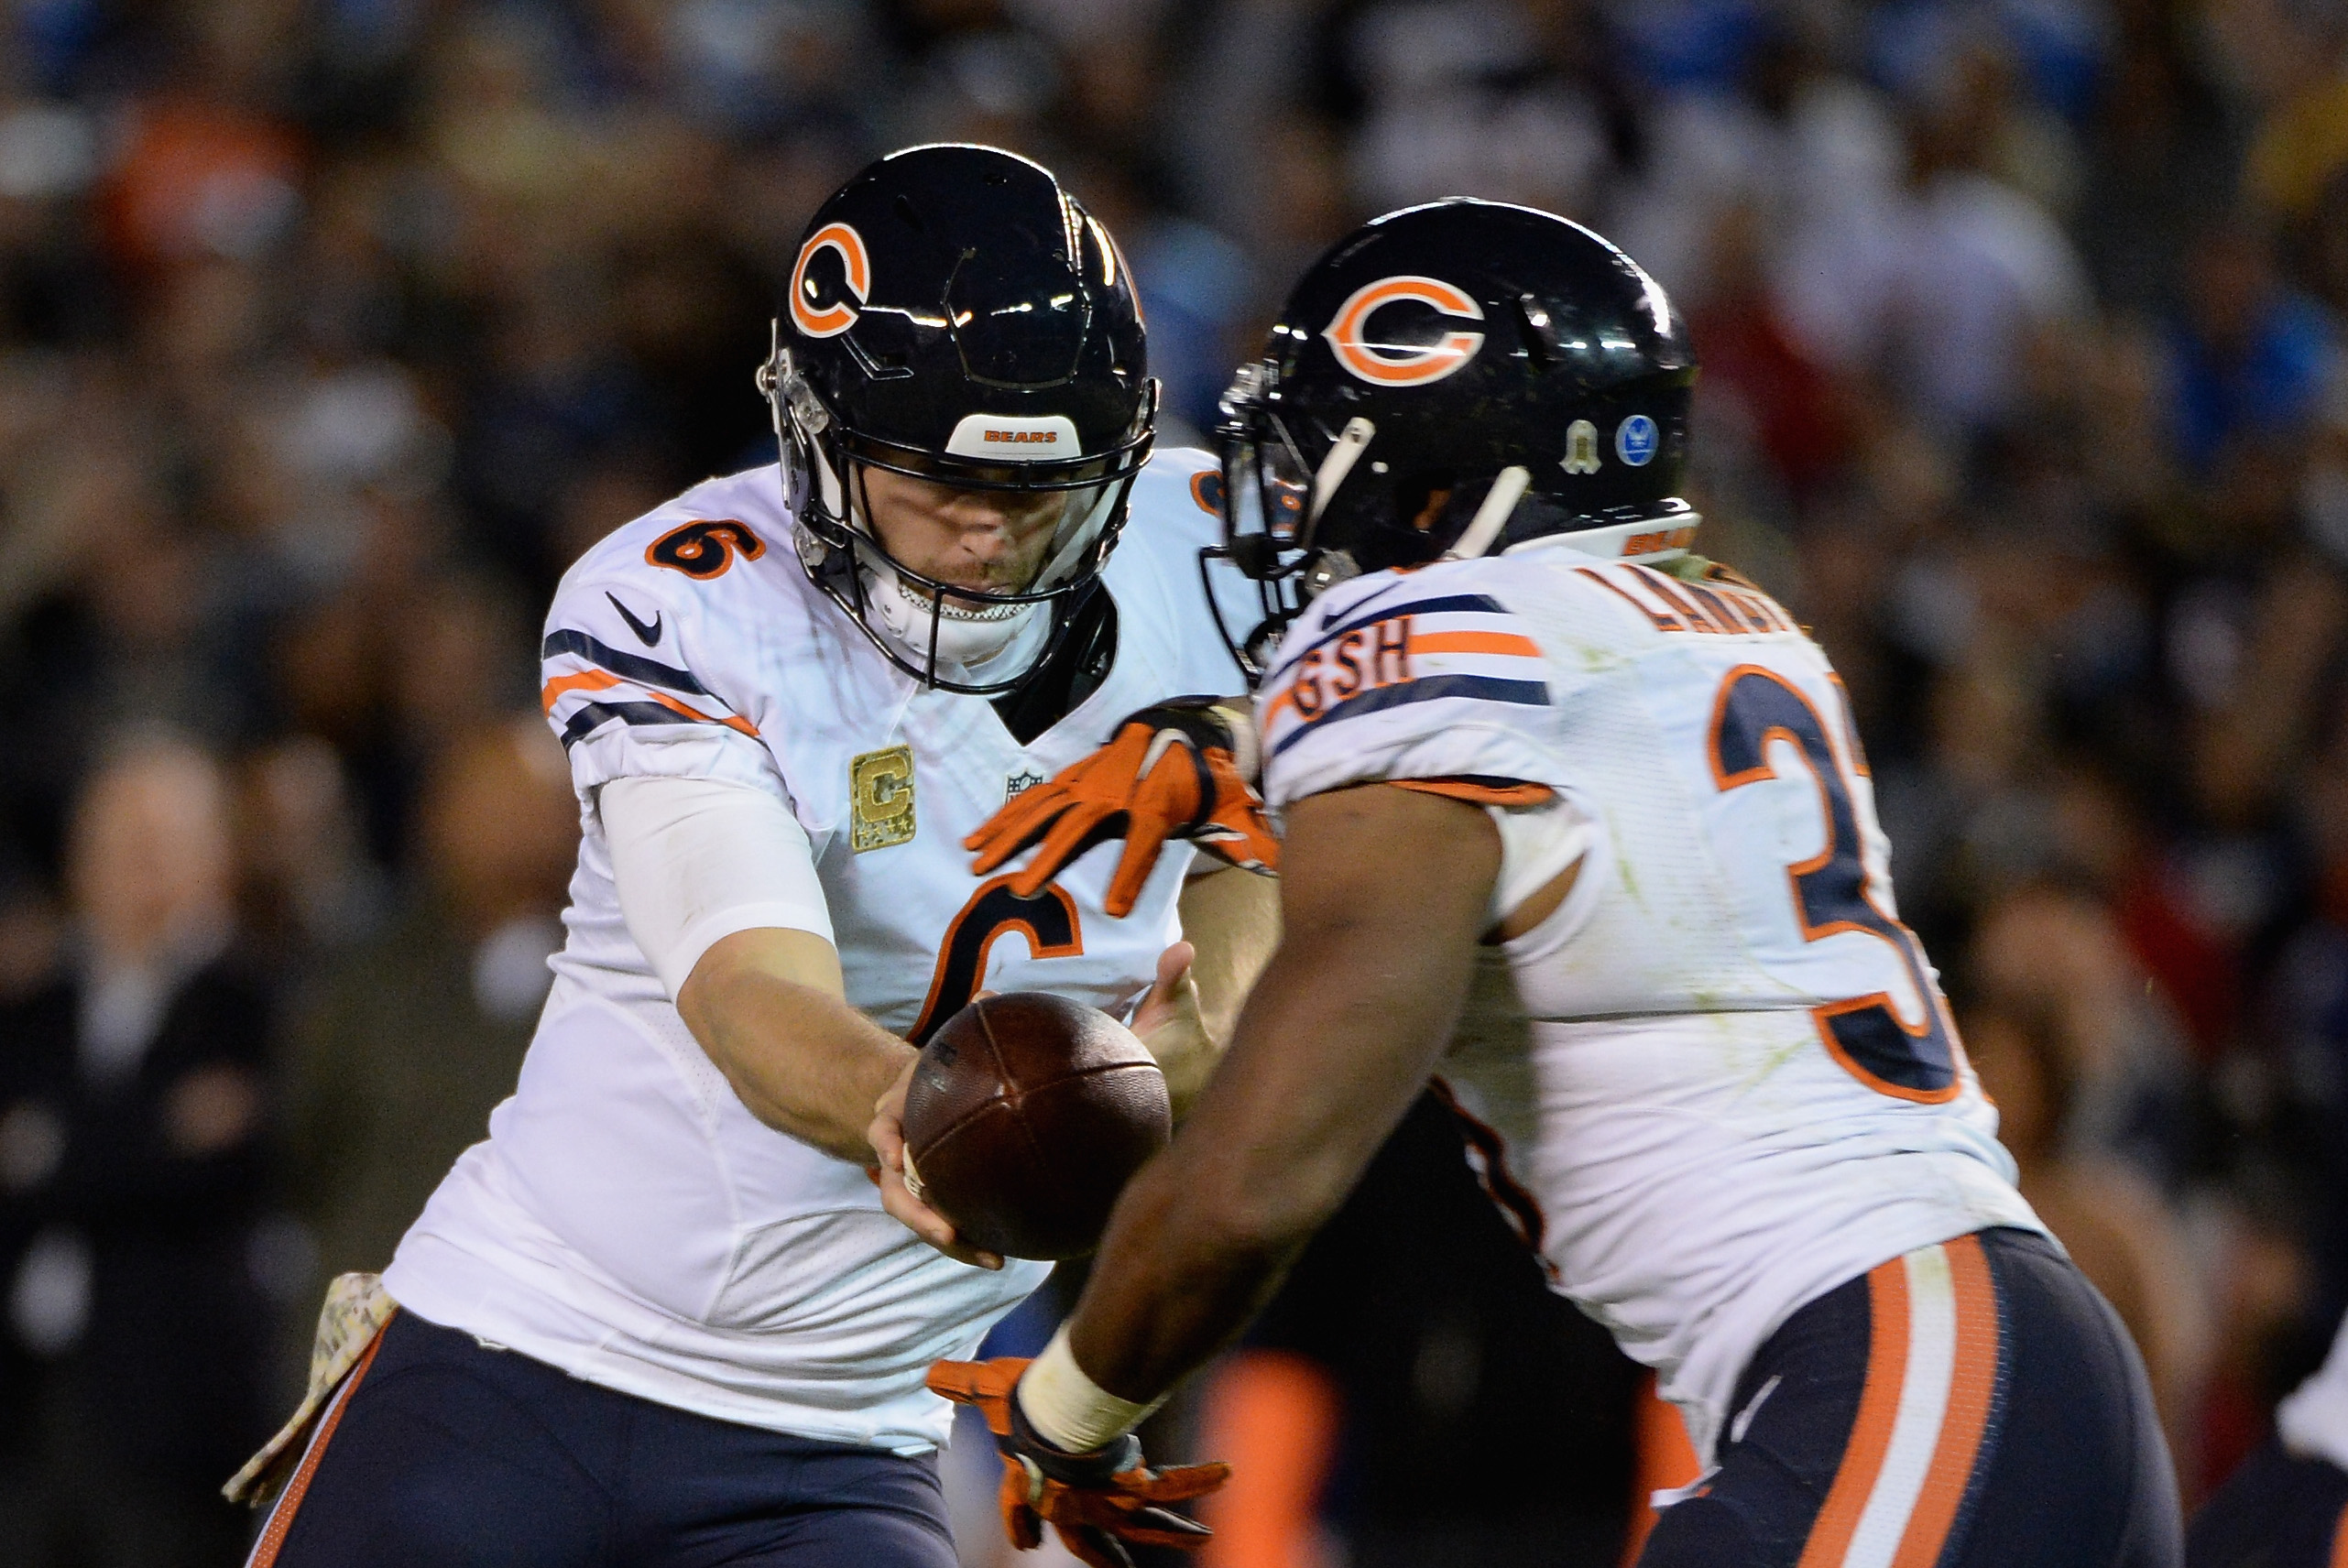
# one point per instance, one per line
(1173, 770)
(1097, 1501)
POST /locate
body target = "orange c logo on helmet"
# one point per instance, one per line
(833, 320)
(1402, 364)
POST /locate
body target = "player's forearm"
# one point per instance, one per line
(1198, 1290)
(1334, 1043)
(1202, 1237)
(801, 1058)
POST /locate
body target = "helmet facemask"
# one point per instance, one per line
(1273, 500)
(977, 641)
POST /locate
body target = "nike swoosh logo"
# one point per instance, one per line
(649, 636)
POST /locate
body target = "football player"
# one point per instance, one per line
(2286, 1506)
(659, 1316)
(1582, 824)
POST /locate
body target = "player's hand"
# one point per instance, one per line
(1175, 770)
(1170, 1023)
(1097, 1501)
(887, 1135)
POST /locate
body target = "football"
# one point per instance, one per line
(1026, 1115)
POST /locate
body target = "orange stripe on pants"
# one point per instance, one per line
(1972, 1386)
(273, 1534)
(2340, 1541)
(1871, 1434)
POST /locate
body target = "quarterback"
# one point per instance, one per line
(1581, 824)
(660, 1316)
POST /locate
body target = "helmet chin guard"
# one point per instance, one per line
(956, 318)
(942, 628)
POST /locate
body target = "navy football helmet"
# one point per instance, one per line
(954, 315)
(1455, 379)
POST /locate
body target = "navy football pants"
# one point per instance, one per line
(443, 1455)
(1972, 1405)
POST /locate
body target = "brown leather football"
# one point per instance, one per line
(1026, 1115)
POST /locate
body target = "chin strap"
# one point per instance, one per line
(1500, 501)
(1343, 454)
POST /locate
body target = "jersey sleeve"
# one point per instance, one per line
(1417, 678)
(1176, 513)
(634, 682)
(695, 861)
(1233, 605)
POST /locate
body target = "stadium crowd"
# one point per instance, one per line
(330, 331)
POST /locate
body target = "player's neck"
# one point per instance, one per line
(1074, 672)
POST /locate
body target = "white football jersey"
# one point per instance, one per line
(1722, 1068)
(627, 1220)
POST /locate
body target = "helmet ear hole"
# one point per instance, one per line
(1429, 515)
(1416, 500)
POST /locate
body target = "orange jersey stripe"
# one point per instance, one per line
(272, 1541)
(1871, 1434)
(586, 681)
(731, 722)
(1475, 642)
(1973, 1384)
(1478, 794)
(2340, 1541)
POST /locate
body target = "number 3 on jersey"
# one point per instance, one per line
(1866, 1033)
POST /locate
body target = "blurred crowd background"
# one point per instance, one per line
(330, 331)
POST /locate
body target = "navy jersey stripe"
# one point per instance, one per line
(633, 666)
(1453, 604)
(1527, 694)
(596, 715)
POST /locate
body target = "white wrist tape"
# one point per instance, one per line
(697, 859)
(1068, 1410)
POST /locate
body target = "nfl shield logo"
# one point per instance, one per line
(1019, 783)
